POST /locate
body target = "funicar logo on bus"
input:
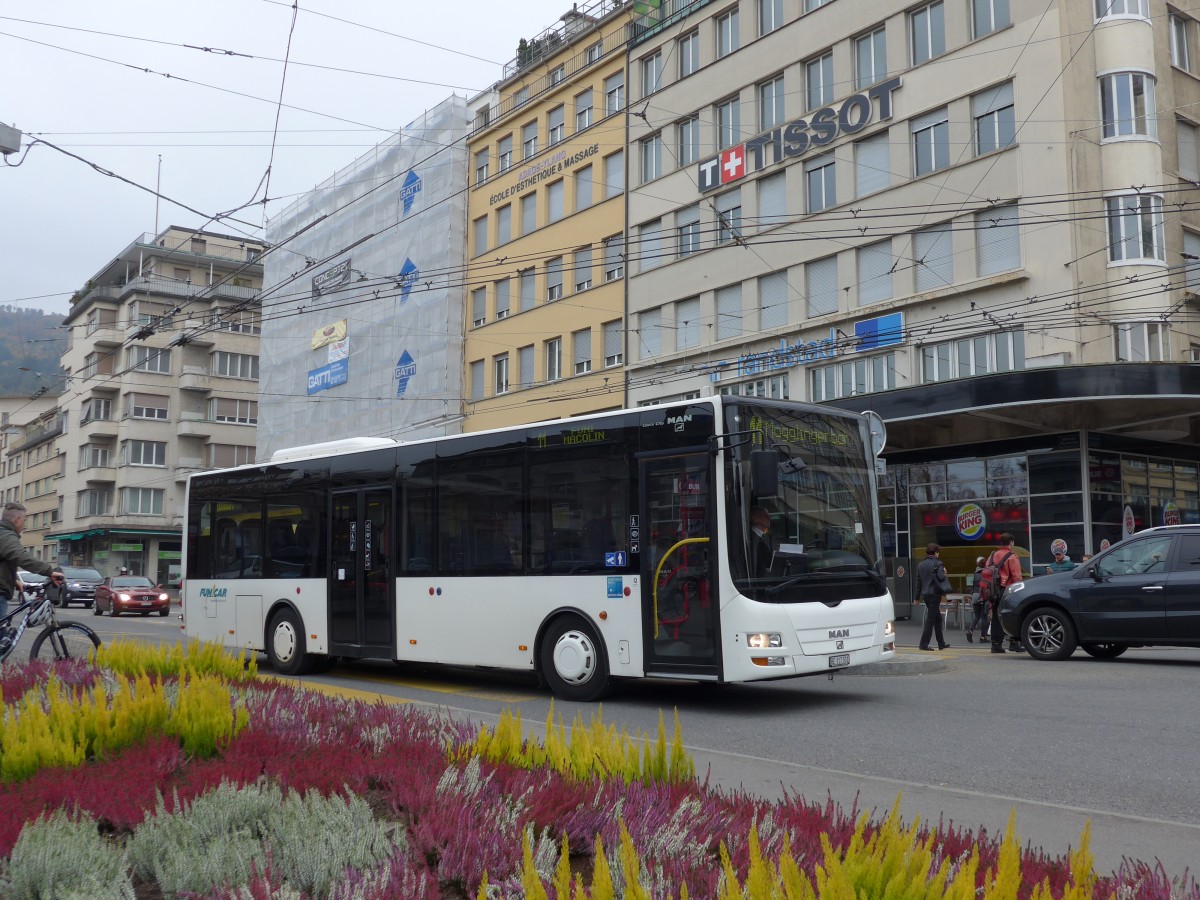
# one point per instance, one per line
(970, 521)
(213, 593)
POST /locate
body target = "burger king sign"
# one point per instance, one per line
(969, 521)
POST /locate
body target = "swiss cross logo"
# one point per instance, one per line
(733, 163)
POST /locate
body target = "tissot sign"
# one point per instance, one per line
(798, 137)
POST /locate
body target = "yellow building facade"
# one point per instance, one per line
(545, 274)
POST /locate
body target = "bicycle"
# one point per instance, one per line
(58, 640)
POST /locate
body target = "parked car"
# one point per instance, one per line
(1141, 592)
(130, 593)
(81, 585)
(34, 583)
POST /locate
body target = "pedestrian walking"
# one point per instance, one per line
(933, 586)
(979, 608)
(1008, 572)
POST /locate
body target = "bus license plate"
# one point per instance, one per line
(840, 660)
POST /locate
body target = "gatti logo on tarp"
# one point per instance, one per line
(406, 368)
(409, 190)
(407, 278)
(798, 137)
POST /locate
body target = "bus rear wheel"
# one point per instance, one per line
(573, 661)
(285, 644)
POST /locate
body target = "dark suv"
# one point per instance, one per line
(1140, 592)
(81, 585)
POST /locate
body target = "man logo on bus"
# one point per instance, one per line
(969, 521)
(213, 593)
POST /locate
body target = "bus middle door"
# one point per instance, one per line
(680, 608)
(361, 602)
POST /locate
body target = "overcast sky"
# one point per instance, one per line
(92, 78)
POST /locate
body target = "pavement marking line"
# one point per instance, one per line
(336, 691)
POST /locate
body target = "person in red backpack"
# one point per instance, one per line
(1010, 572)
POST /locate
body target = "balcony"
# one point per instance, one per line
(99, 474)
(105, 334)
(195, 378)
(194, 425)
(186, 466)
(99, 428)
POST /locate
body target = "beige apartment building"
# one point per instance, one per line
(162, 364)
(546, 218)
(975, 217)
(30, 465)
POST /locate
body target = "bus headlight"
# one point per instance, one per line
(889, 628)
(764, 639)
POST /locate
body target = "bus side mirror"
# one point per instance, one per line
(764, 473)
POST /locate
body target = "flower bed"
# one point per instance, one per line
(302, 795)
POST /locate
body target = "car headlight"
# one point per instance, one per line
(125, 598)
(1016, 588)
(763, 639)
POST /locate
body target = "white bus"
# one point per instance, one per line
(615, 545)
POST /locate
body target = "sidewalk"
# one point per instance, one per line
(909, 659)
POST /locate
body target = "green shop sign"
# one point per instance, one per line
(127, 548)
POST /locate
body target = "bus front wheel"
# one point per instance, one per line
(573, 661)
(285, 644)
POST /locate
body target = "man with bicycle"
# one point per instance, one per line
(14, 555)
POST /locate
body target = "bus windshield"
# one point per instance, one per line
(802, 523)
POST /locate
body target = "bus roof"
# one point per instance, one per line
(345, 445)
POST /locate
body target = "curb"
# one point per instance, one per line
(903, 664)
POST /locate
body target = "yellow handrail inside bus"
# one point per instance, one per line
(670, 550)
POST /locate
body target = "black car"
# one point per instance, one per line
(81, 584)
(1140, 592)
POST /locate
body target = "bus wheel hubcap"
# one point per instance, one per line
(574, 657)
(285, 641)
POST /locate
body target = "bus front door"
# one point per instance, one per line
(680, 607)
(361, 604)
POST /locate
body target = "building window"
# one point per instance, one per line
(729, 123)
(583, 188)
(820, 178)
(529, 213)
(478, 307)
(556, 75)
(96, 410)
(931, 142)
(810, 5)
(687, 323)
(995, 120)
(875, 266)
(614, 258)
(728, 38)
(651, 73)
(1187, 143)
(593, 53)
(820, 282)
(872, 165)
(729, 312)
(774, 387)
(650, 245)
(999, 351)
(729, 216)
(504, 224)
(529, 140)
(1142, 341)
(521, 97)
(651, 153)
(581, 345)
(554, 282)
(500, 368)
(689, 54)
(818, 81)
(583, 110)
(770, 15)
(583, 269)
(1135, 228)
(479, 230)
(554, 201)
(229, 410)
(853, 377)
(649, 333)
(94, 503)
(988, 16)
(481, 166)
(149, 359)
(554, 359)
(772, 200)
(556, 122)
(234, 365)
(689, 140)
(525, 366)
(144, 453)
(1109, 9)
(614, 93)
(147, 406)
(772, 300)
(223, 456)
(997, 240)
(927, 29)
(870, 58)
(477, 380)
(614, 174)
(503, 291)
(1181, 56)
(137, 501)
(1191, 256)
(528, 288)
(613, 354)
(504, 153)
(770, 103)
(932, 254)
(94, 456)
(1127, 105)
